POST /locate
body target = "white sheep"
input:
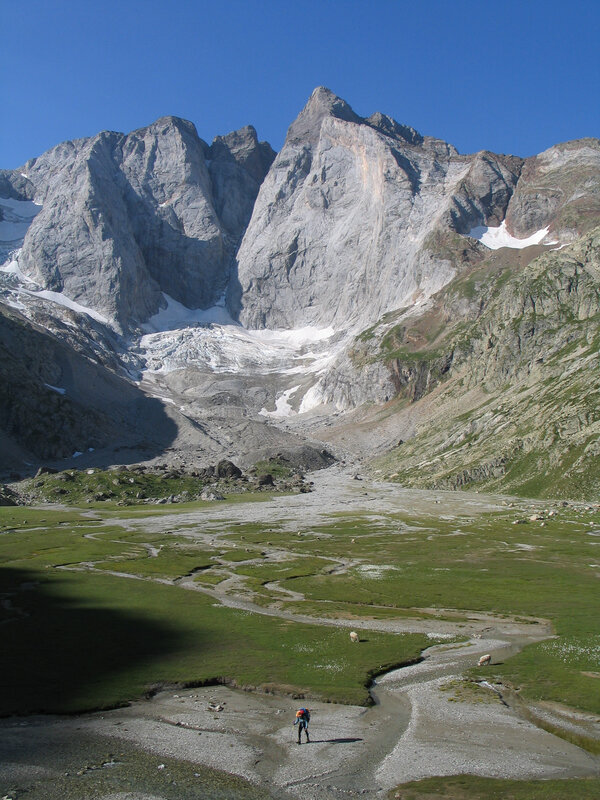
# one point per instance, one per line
(486, 659)
(354, 636)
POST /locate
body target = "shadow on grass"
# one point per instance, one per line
(63, 653)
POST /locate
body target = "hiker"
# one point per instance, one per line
(302, 720)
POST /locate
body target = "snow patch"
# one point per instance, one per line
(176, 316)
(375, 571)
(12, 268)
(14, 304)
(282, 405)
(495, 238)
(56, 388)
(312, 399)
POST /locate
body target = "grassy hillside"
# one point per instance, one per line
(510, 384)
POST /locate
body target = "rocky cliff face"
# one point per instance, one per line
(508, 395)
(355, 215)
(340, 229)
(125, 218)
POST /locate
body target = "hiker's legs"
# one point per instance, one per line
(302, 727)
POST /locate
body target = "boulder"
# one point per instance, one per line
(227, 469)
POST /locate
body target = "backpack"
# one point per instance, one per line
(303, 713)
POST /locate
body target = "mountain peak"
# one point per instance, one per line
(322, 103)
(169, 124)
(390, 127)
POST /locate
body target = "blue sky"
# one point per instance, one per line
(512, 77)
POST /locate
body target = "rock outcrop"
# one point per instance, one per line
(517, 407)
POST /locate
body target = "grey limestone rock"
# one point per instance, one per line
(238, 164)
(559, 188)
(358, 224)
(339, 233)
(125, 218)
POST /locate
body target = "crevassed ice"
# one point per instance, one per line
(177, 337)
(495, 238)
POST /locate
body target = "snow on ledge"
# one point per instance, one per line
(62, 300)
(57, 389)
(495, 238)
(12, 268)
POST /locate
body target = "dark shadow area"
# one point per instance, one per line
(58, 398)
(65, 653)
(348, 740)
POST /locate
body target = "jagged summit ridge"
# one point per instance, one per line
(126, 218)
(356, 216)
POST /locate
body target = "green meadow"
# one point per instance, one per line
(472, 787)
(97, 608)
(80, 638)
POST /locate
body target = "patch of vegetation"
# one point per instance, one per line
(491, 566)
(338, 610)
(118, 486)
(114, 636)
(468, 691)
(473, 787)
(172, 560)
(278, 467)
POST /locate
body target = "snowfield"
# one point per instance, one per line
(495, 238)
(62, 300)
